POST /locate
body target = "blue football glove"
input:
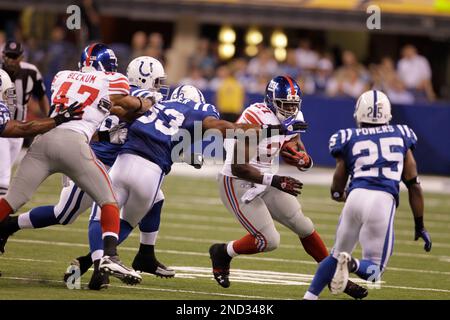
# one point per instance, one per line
(423, 233)
(293, 126)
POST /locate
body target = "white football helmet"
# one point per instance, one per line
(373, 107)
(188, 92)
(148, 73)
(7, 91)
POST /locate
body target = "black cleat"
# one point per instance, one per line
(7, 229)
(220, 263)
(149, 264)
(83, 263)
(355, 291)
(98, 281)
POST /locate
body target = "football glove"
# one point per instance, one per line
(300, 159)
(423, 233)
(118, 134)
(293, 126)
(73, 112)
(287, 184)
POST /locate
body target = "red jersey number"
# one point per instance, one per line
(61, 95)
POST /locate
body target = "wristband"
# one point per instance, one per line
(140, 105)
(409, 183)
(267, 179)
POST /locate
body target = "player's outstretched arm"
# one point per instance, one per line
(416, 201)
(223, 125)
(292, 127)
(130, 106)
(17, 129)
(339, 181)
(243, 170)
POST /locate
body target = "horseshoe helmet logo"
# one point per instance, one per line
(142, 72)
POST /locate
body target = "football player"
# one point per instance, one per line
(145, 75)
(256, 196)
(66, 149)
(146, 157)
(376, 156)
(16, 129)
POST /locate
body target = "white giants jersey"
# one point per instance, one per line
(92, 89)
(268, 148)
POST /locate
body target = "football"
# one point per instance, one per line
(289, 152)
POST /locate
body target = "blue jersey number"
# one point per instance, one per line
(374, 152)
(176, 121)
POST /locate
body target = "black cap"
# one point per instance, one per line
(13, 49)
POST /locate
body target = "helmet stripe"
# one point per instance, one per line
(89, 53)
(375, 111)
(290, 84)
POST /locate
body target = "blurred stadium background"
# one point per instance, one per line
(230, 49)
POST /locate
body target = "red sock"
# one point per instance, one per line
(5, 209)
(110, 219)
(315, 247)
(245, 245)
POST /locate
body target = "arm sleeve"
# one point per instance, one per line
(409, 136)
(336, 144)
(207, 110)
(118, 84)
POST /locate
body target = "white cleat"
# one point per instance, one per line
(113, 266)
(340, 278)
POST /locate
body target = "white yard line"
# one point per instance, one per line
(154, 289)
(204, 254)
(263, 277)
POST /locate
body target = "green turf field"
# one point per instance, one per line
(193, 218)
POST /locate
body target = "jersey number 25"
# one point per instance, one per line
(374, 153)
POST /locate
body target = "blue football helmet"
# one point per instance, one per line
(98, 56)
(283, 97)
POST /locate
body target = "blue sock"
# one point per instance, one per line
(42, 217)
(151, 221)
(368, 270)
(323, 275)
(95, 235)
(125, 230)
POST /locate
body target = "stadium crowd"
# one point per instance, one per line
(334, 74)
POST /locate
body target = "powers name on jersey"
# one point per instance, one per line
(374, 155)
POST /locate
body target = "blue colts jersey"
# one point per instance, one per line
(152, 135)
(105, 151)
(374, 155)
(5, 116)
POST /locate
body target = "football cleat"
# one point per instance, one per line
(149, 264)
(83, 263)
(340, 278)
(98, 281)
(112, 265)
(355, 291)
(4, 234)
(220, 263)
